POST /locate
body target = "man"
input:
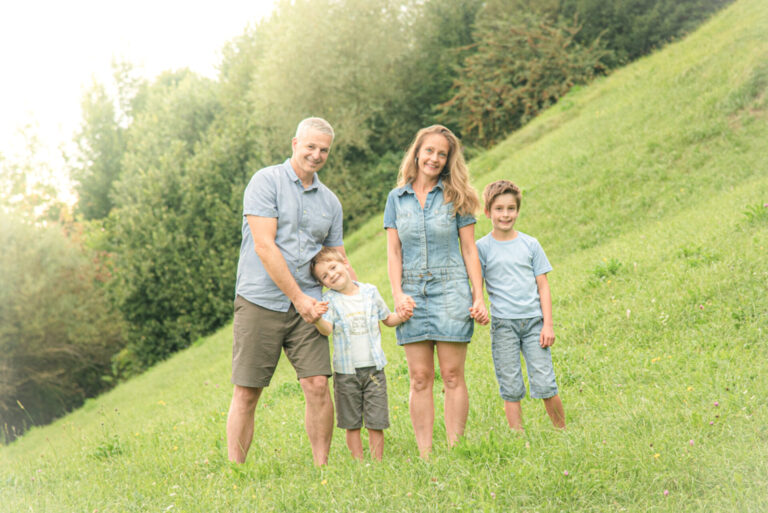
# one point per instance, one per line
(288, 216)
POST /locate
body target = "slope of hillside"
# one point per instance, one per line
(647, 191)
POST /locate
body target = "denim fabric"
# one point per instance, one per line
(443, 298)
(434, 274)
(429, 236)
(307, 220)
(510, 337)
(376, 310)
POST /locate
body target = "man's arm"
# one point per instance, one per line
(264, 231)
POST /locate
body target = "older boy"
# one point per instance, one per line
(515, 270)
(359, 384)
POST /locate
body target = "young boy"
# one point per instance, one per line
(515, 270)
(360, 386)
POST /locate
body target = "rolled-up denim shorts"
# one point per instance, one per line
(509, 338)
(443, 298)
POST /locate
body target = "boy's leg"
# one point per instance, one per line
(541, 373)
(555, 411)
(376, 443)
(505, 349)
(355, 443)
(514, 412)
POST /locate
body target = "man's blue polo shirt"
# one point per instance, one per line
(307, 220)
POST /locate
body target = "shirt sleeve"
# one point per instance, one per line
(539, 259)
(464, 220)
(390, 211)
(481, 252)
(260, 198)
(330, 315)
(381, 306)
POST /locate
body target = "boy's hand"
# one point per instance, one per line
(547, 337)
(320, 308)
(479, 312)
(404, 306)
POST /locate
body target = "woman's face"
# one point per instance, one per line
(433, 156)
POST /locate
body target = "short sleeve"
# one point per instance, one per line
(335, 237)
(330, 315)
(539, 259)
(260, 198)
(390, 210)
(381, 307)
(464, 220)
(482, 253)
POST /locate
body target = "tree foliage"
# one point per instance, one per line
(522, 64)
(57, 330)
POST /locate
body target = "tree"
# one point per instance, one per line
(522, 64)
(57, 331)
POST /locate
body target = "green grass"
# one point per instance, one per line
(646, 189)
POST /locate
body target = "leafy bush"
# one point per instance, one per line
(57, 330)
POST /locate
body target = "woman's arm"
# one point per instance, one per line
(403, 303)
(471, 258)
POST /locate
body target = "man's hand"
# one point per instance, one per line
(308, 308)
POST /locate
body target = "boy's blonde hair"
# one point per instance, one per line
(496, 189)
(455, 174)
(325, 255)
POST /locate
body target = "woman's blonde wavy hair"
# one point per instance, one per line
(455, 174)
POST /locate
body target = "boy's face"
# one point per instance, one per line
(333, 275)
(503, 213)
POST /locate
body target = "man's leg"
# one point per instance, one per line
(318, 417)
(240, 422)
(514, 413)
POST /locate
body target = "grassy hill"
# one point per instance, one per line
(647, 191)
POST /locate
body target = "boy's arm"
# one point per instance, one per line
(395, 319)
(324, 327)
(547, 337)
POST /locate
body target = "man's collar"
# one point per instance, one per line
(295, 178)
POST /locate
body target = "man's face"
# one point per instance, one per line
(310, 151)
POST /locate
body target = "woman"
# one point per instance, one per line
(430, 253)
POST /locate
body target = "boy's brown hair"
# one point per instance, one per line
(496, 189)
(325, 255)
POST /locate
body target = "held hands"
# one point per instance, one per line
(310, 308)
(478, 312)
(404, 306)
(547, 337)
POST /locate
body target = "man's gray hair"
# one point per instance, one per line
(318, 124)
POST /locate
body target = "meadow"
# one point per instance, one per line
(649, 190)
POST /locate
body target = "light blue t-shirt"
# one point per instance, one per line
(510, 269)
(307, 220)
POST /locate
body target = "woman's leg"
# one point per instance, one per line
(452, 356)
(421, 370)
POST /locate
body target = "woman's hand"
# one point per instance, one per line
(404, 305)
(478, 312)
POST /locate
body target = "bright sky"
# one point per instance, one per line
(51, 51)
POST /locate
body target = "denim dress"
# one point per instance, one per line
(434, 274)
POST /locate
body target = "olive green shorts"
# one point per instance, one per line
(260, 335)
(362, 395)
